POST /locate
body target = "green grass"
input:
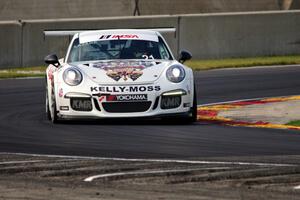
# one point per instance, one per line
(294, 123)
(194, 64)
(38, 71)
(243, 62)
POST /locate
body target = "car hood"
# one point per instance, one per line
(124, 71)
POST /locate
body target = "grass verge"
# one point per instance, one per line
(23, 72)
(294, 123)
(243, 62)
(194, 64)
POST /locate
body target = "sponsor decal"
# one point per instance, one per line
(51, 70)
(61, 92)
(132, 72)
(81, 104)
(123, 70)
(101, 98)
(170, 102)
(102, 37)
(50, 74)
(121, 89)
(127, 97)
(119, 36)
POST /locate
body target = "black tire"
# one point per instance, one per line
(188, 119)
(193, 117)
(47, 100)
(48, 115)
(193, 111)
(53, 112)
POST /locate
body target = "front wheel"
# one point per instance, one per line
(48, 114)
(53, 111)
(188, 119)
(193, 111)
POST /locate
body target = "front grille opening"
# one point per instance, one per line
(170, 102)
(126, 107)
(81, 104)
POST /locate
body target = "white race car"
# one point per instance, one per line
(119, 74)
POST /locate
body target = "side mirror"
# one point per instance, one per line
(52, 59)
(184, 56)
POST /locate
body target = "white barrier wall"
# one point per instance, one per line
(241, 35)
(55, 9)
(156, 7)
(205, 35)
(10, 44)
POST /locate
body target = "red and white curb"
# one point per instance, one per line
(210, 112)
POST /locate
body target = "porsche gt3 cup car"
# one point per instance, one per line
(119, 74)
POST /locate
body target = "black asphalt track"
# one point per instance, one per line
(24, 128)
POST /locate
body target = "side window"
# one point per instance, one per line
(74, 53)
(164, 53)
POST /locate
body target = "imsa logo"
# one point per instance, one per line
(103, 37)
(120, 36)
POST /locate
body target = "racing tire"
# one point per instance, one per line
(53, 111)
(195, 106)
(48, 115)
(188, 119)
(193, 112)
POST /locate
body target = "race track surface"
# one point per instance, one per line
(24, 128)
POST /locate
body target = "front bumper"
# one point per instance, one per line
(99, 105)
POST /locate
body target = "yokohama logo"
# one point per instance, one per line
(127, 97)
(103, 37)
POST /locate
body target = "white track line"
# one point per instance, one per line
(20, 162)
(91, 178)
(35, 161)
(152, 160)
(297, 187)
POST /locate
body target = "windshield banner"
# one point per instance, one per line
(84, 38)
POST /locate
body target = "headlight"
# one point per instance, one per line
(175, 73)
(72, 76)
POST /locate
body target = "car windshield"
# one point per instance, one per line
(118, 49)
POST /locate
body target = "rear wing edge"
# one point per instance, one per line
(57, 33)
